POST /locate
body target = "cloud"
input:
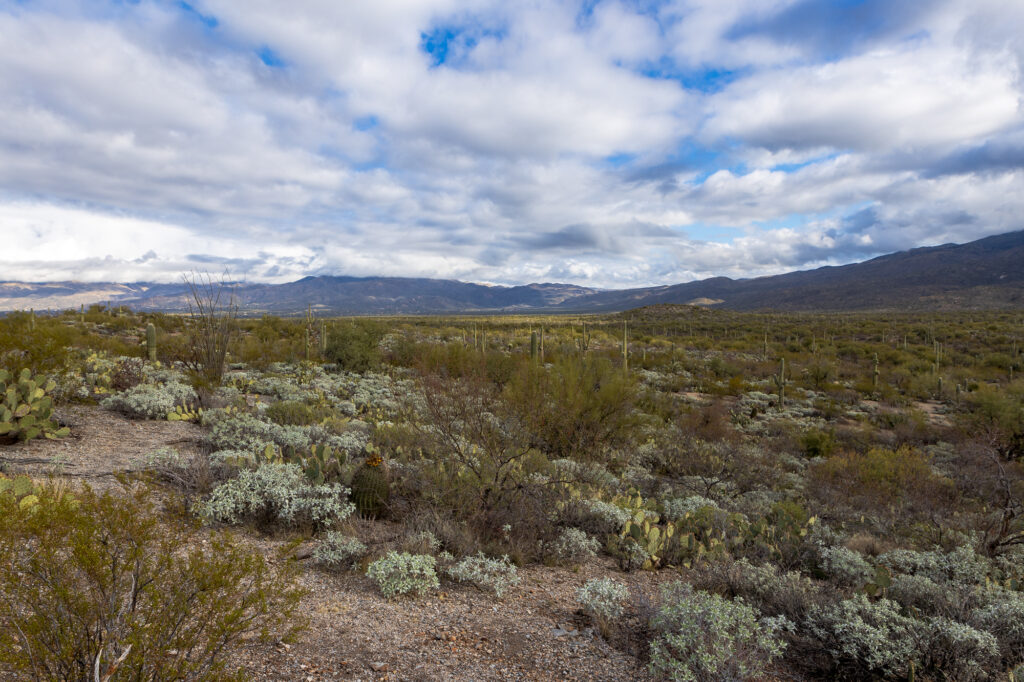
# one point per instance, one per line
(607, 143)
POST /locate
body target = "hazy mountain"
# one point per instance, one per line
(988, 273)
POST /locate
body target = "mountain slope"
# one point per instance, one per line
(988, 273)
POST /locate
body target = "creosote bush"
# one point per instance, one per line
(93, 582)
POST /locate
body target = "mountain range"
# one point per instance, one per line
(983, 274)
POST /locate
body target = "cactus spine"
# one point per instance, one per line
(151, 342)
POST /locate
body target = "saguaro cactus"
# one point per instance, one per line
(780, 382)
(151, 342)
(625, 346)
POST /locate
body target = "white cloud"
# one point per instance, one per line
(538, 150)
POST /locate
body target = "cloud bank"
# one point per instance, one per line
(601, 143)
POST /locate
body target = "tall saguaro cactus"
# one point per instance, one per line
(780, 382)
(625, 346)
(151, 342)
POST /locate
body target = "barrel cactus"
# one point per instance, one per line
(26, 410)
(371, 486)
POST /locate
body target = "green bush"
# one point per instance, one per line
(296, 413)
(573, 408)
(89, 579)
(354, 346)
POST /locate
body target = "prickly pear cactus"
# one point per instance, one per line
(371, 486)
(22, 488)
(25, 408)
(323, 464)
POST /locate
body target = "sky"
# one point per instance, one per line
(606, 143)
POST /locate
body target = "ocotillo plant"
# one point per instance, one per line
(151, 342)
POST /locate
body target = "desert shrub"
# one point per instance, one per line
(354, 346)
(243, 431)
(919, 594)
(954, 651)
(1004, 619)
(337, 550)
(276, 492)
(630, 555)
(128, 373)
(845, 566)
(881, 480)
(705, 637)
(574, 546)
(818, 443)
(496, 575)
(962, 566)
(865, 637)
(295, 413)
(573, 408)
(594, 516)
(403, 573)
(677, 508)
(603, 599)
(771, 591)
(150, 401)
(89, 579)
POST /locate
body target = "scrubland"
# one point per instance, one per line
(826, 496)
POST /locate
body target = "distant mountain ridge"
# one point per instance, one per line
(984, 274)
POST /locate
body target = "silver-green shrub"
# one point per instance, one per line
(573, 546)
(603, 599)
(403, 573)
(1004, 618)
(149, 401)
(872, 637)
(276, 492)
(957, 651)
(845, 566)
(678, 507)
(766, 587)
(960, 566)
(595, 516)
(338, 550)
(496, 575)
(702, 637)
(243, 431)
